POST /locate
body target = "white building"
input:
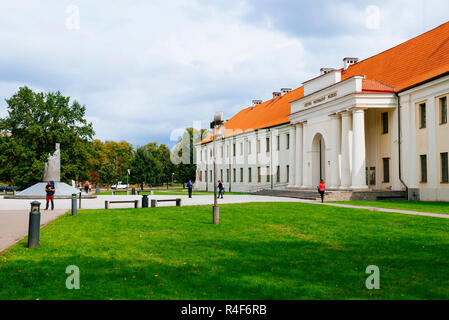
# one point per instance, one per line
(375, 125)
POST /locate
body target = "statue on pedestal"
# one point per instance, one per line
(52, 168)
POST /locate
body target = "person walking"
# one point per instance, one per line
(50, 191)
(86, 187)
(190, 188)
(322, 189)
(220, 189)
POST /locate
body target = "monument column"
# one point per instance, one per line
(345, 150)
(335, 151)
(358, 152)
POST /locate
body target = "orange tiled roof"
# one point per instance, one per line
(409, 63)
(267, 114)
(414, 61)
(373, 86)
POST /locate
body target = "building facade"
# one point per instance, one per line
(374, 125)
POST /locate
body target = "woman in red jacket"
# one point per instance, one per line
(322, 189)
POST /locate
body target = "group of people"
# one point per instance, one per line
(221, 189)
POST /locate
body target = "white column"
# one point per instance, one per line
(304, 155)
(358, 150)
(291, 178)
(335, 151)
(345, 150)
(395, 182)
(298, 156)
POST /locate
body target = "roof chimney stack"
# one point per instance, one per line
(276, 94)
(257, 102)
(326, 70)
(349, 61)
(285, 90)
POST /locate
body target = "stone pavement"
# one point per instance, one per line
(14, 224)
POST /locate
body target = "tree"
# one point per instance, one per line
(34, 124)
(108, 174)
(184, 153)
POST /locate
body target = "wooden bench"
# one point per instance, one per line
(155, 201)
(107, 202)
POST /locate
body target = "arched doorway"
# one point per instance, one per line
(318, 159)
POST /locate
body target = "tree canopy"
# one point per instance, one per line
(35, 122)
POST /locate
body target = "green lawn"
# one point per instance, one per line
(171, 192)
(259, 251)
(436, 207)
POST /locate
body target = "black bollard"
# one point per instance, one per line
(34, 225)
(74, 208)
(145, 201)
(80, 202)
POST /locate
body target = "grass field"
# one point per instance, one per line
(259, 251)
(436, 207)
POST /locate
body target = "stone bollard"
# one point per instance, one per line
(74, 208)
(34, 225)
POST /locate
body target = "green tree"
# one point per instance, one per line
(107, 174)
(34, 124)
(183, 154)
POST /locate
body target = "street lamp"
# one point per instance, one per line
(127, 181)
(218, 121)
(172, 178)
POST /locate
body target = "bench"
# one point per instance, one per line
(107, 202)
(155, 201)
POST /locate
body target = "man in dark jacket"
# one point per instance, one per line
(190, 188)
(220, 189)
(50, 191)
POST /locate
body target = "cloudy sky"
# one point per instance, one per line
(144, 68)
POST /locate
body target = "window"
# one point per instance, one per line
(234, 179)
(384, 122)
(258, 146)
(201, 176)
(268, 174)
(227, 176)
(259, 176)
(288, 141)
(386, 167)
(205, 176)
(422, 115)
(287, 176)
(221, 174)
(241, 174)
(201, 156)
(278, 143)
(249, 175)
(278, 174)
(443, 110)
(268, 144)
(233, 149)
(210, 172)
(222, 151)
(249, 147)
(241, 148)
(423, 161)
(444, 168)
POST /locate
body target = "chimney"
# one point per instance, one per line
(256, 102)
(349, 61)
(326, 70)
(276, 94)
(285, 90)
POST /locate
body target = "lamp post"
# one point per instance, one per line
(172, 178)
(218, 121)
(127, 181)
